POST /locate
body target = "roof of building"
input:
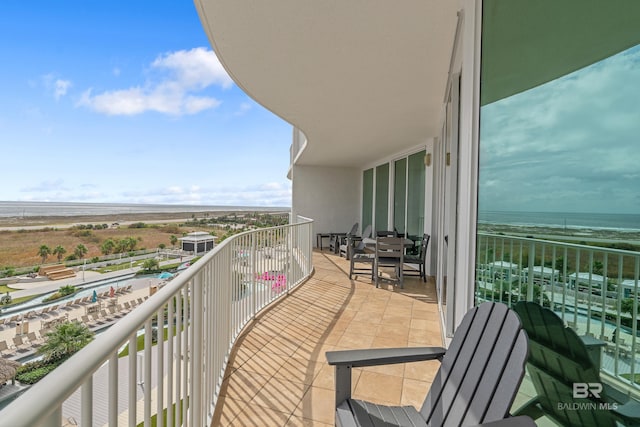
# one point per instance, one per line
(197, 236)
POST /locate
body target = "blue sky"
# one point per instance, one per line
(124, 101)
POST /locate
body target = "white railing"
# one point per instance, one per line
(201, 311)
(595, 290)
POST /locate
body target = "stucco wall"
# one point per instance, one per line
(328, 195)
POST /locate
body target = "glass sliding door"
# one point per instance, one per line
(558, 205)
(415, 195)
(382, 197)
(367, 199)
(400, 194)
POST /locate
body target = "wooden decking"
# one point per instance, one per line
(278, 375)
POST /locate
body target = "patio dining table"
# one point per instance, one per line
(408, 243)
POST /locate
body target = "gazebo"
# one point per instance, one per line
(197, 242)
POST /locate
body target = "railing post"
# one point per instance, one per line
(254, 276)
(133, 381)
(146, 390)
(531, 259)
(113, 390)
(196, 351)
(53, 420)
(87, 402)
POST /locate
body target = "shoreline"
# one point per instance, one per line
(570, 234)
(60, 221)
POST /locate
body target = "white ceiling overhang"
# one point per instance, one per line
(527, 43)
(362, 79)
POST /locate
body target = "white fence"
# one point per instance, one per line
(198, 316)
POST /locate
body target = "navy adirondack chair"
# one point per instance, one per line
(558, 359)
(476, 384)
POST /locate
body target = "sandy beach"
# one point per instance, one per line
(576, 235)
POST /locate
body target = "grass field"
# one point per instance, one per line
(20, 248)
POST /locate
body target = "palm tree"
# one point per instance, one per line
(65, 340)
(108, 246)
(44, 252)
(80, 251)
(150, 264)
(59, 252)
(173, 239)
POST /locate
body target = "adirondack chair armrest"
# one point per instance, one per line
(614, 394)
(383, 356)
(630, 410)
(344, 360)
(520, 421)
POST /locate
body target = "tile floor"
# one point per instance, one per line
(277, 373)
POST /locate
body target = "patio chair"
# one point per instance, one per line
(360, 256)
(351, 241)
(389, 253)
(418, 259)
(558, 359)
(477, 381)
(337, 239)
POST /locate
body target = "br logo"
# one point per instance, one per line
(587, 390)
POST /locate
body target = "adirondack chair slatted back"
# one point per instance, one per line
(470, 388)
(557, 359)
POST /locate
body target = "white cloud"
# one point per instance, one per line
(243, 109)
(269, 194)
(61, 88)
(58, 87)
(183, 73)
(194, 69)
(46, 186)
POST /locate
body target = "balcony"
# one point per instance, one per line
(278, 372)
(246, 330)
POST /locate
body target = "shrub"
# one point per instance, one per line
(36, 375)
(32, 372)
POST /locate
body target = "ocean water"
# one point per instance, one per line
(27, 209)
(594, 221)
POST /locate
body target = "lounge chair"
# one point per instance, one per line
(419, 260)
(19, 343)
(97, 320)
(5, 349)
(559, 359)
(34, 340)
(477, 382)
(389, 253)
